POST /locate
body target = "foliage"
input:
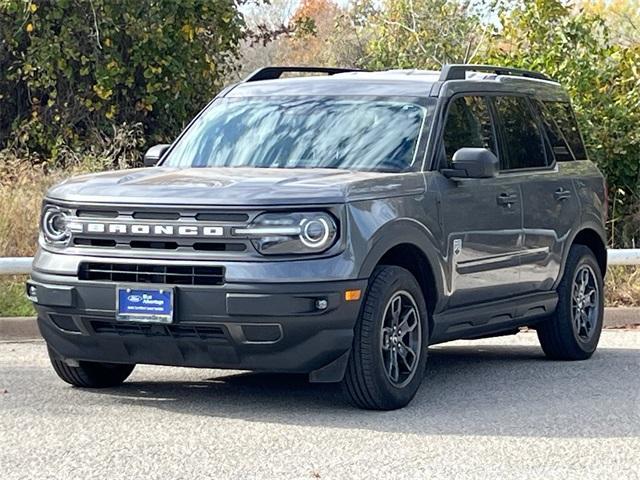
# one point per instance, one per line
(622, 17)
(71, 67)
(603, 79)
(571, 45)
(13, 301)
(316, 32)
(425, 33)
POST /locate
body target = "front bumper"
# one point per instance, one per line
(245, 326)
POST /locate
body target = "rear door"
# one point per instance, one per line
(550, 206)
(481, 218)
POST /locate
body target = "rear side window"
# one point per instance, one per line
(468, 125)
(563, 115)
(524, 144)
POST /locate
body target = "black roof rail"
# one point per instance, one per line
(273, 73)
(459, 71)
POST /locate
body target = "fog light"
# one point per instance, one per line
(32, 292)
(322, 304)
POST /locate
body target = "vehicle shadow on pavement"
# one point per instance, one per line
(468, 390)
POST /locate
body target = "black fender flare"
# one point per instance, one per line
(407, 231)
(590, 225)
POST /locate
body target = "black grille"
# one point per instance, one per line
(200, 332)
(139, 273)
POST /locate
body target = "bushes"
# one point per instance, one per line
(603, 79)
(574, 47)
(73, 68)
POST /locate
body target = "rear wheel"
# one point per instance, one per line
(389, 352)
(573, 331)
(91, 374)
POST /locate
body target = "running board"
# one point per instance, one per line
(493, 317)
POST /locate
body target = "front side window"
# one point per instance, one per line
(356, 133)
(524, 144)
(468, 125)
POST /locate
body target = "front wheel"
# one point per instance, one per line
(91, 374)
(389, 351)
(573, 331)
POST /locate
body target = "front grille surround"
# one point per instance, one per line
(156, 245)
(151, 273)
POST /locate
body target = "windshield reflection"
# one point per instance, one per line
(353, 133)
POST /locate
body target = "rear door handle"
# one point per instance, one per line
(507, 199)
(561, 194)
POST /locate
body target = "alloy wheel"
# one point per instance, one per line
(585, 303)
(401, 338)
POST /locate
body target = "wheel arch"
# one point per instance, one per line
(401, 244)
(592, 238)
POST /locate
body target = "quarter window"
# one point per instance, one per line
(559, 143)
(524, 144)
(563, 115)
(468, 125)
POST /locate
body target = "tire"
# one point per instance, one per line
(91, 374)
(568, 335)
(372, 381)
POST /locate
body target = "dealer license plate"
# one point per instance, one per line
(144, 304)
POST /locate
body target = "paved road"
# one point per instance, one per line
(490, 409)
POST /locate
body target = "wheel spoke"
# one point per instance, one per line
(394, 371)
(386, 335)
(590, 300)
(406, 352)
(396, 308)
(405, 326)
(584, 280)
(576, 292)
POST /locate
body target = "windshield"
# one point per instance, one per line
(356, 133)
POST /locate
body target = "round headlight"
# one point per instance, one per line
(315, 232)
(54, 225)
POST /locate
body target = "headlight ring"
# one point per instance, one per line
(54, 225)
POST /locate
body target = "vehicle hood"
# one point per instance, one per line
(233, 186)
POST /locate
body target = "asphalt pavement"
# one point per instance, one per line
(489, 409)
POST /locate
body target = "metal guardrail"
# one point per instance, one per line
(22, 265)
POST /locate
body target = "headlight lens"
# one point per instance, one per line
(291, 233)
(55, 227)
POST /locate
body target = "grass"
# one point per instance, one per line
(623, 286)
(13, 301)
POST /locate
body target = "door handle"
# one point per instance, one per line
(507, 199)
(561, 194)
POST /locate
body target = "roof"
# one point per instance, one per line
(406, 83)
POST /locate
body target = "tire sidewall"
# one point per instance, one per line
(402, 280)
(583, 257)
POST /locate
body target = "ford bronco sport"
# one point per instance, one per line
(333, 225)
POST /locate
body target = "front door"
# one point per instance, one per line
(481, 218)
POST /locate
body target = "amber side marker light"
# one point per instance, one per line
(352, 295)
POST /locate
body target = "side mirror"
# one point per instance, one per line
(154, 154)
(473, 163)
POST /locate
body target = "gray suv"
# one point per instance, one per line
(332, 225)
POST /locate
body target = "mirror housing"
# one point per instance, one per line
(473, 163)
(154, 154)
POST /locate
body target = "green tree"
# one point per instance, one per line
(425, 33)
(72, 67)
(603, 79)
(571, 45)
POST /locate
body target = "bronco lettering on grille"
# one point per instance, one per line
(153, 230)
